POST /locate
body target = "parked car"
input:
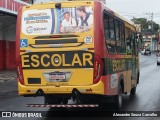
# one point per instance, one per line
(147, 52)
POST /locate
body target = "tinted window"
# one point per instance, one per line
(109, 31)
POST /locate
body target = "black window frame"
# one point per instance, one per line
(113, 40)
(121, 39)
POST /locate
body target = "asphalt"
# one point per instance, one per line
(8, 82)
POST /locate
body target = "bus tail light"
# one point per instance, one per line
(20, 72)
(98, 69)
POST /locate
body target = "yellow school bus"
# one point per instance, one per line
(76, 49)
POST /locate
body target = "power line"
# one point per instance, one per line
(139, 14)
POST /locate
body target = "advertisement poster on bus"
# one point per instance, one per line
(57, 21)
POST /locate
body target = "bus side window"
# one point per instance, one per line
(106, 26)
(120, 37)
(111, 28)
(117, 29)
(109, 31)
(128, 40)
(134, 43)
(129, 50)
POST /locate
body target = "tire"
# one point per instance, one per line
(133, 90)
(118, 98)
(157, 63)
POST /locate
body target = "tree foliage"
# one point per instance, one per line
(145, 24)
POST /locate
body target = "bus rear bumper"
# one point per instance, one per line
(44, 90)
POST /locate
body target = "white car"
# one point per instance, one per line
(158, 60)
(142, 52)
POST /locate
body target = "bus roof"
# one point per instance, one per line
(117, 15)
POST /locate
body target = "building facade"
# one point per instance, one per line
(150, 42)
(8, 13)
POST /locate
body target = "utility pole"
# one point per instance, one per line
(152, 31)
(151, 18)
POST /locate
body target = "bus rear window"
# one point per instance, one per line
(57, 21)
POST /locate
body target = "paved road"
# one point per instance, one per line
(8, 80)
(146, 99)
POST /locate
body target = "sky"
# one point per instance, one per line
(136, 8)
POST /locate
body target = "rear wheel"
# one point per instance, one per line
(118, 98)
(133, 90)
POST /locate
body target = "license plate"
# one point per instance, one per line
(57, 76)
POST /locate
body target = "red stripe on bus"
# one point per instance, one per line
(18, 27)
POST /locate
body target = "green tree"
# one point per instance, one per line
(145, 24)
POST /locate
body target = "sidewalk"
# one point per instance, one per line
(8, 81)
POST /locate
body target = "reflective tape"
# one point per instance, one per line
(62, 106)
